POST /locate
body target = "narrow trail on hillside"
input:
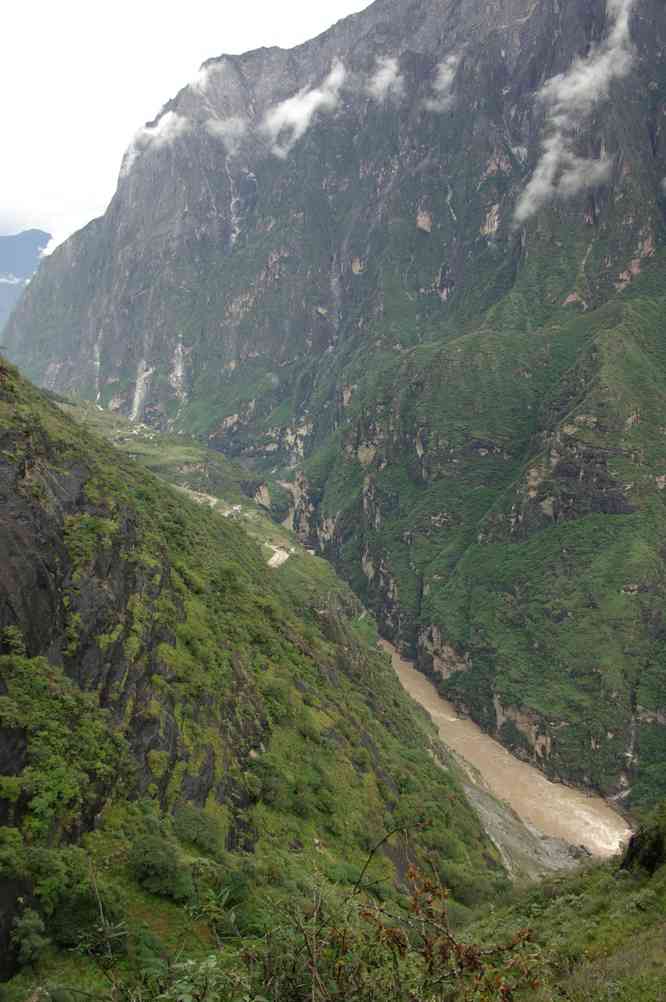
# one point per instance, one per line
(547, 808)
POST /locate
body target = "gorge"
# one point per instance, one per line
(352, 400)
(548, 808)
(323, 264)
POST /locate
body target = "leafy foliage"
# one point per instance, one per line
(72, 757)
(28, 936)
(155, 865)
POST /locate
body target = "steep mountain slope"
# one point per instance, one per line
(414, 268)
(527, 852)
(19, 258)
(158, 683)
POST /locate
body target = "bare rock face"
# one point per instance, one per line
(414, 267)
(285, 202)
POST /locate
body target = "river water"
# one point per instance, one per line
(548, 808)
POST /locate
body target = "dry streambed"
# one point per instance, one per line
(548, 809)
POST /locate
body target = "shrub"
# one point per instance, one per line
(77, 919)
(199, 828)
(28, 937)
(155, 865)
(273, 788)
(647, 848)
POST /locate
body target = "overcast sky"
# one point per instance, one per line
(78, 77)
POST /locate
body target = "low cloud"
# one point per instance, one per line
(50, 247)
(169, 127)
(387, 80)
(208, 76)
(442, 88)
(287, 122)
(229, 131)
(202, 79)
(569, 99)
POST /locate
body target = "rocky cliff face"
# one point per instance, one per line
(415, 267)
(383, 179)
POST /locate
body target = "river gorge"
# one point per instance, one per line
(546, 808)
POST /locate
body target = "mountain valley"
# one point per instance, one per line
(367, 352)
(319, 263)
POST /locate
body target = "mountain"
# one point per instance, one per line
(181, 718)
(414, 270)
(20, 255)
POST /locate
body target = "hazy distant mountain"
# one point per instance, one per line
(19, 258)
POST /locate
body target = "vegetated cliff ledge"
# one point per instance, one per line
(152, 671)
(465, 388)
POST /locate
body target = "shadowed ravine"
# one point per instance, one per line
(552, 809)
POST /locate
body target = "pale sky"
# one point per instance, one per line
(79, 77)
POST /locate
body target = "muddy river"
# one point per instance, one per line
(548, 808)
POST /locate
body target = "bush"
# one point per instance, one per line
(155, 865)
(200, 829)
(57, 994)
(647, 848)
(147, 948)
(28, 937)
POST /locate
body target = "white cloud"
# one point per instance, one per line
(229, 130)
(169, 127)
(50, 247)
(387, 80)
(13, 280)
(569, 99)
(202, 79)
(442, 98)
(287, 122)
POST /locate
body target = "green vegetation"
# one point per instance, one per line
(192, 741)
(601, 932)
(476, 406)
(179, 459)
(499, 492)
(193, 794)
(588, 937)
